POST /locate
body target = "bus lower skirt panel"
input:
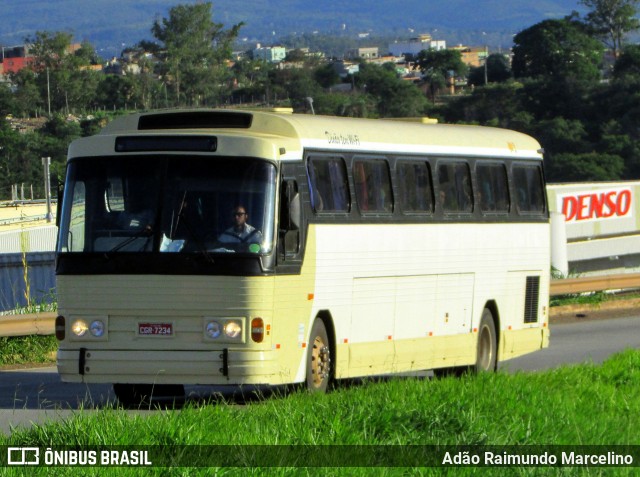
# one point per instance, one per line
(169, 367)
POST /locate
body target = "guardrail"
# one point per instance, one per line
(28, 324)
(44, 323)
(622, 281)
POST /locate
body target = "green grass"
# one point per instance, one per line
(579, 405)
(591, 299)
(27, 349)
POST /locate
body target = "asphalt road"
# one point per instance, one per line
(35, 396)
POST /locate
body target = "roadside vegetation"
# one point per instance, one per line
(572, 405)
(592, 299)
(27, 350)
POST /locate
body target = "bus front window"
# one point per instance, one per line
(169, 204)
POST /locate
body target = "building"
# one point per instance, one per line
(368, 53)
(15, 58)
(346, 68)
(271, 54)
(416, 45)
(473, 56)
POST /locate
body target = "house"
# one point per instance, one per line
(367, 53)
(271, 54)
(473, 56)
(415, 45)
(15, 58)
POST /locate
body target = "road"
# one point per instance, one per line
(35, 396)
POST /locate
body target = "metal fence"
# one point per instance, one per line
(37, 280)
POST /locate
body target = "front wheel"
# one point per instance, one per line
(319, 355)
(137, 395)
(487, 359)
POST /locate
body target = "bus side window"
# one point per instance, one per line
(416, 189)
(328, 184)
(373, 185)
(455, 193)
(493, 188)
(529, 189)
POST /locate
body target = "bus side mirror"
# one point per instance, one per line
(59, 203)
(295, 214)
(290, 219)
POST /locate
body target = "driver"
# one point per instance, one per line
(241, 231)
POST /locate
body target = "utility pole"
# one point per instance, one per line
(48, 93)
(486, 72)
(46, 162)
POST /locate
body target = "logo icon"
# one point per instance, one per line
(23, 456)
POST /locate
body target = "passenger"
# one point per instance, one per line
(241, 231)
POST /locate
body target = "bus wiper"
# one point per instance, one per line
(193, 236)
(146, 231)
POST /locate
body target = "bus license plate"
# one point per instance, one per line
(155, 329)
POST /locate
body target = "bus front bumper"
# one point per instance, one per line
(224, 366)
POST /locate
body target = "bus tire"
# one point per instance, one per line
(486, 360)
(319, 356)
(136, 395)
(133, 395)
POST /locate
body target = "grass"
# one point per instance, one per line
(27, 349)
(578, 405)
(592, 299)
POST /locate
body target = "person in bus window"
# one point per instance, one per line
(241, 231)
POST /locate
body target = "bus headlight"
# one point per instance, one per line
(97, 328)
(224, 330)
(79, 327)
(233, 329)
(214, 330)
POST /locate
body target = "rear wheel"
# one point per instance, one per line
(319, 355)
(486, 360)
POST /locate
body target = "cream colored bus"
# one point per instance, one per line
(232, 247)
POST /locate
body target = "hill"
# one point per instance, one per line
(112, 24)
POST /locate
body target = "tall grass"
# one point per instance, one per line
(16, 350)
(579, 405)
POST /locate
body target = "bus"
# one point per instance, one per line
(376, 247)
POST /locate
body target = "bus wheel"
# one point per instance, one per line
(135, 395)
(486, 360)
(319, 369)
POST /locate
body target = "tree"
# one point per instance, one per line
(297, 85)
(28, 97)
(439, 65)
(195, 50)
(495, 104)
(628, 63)
(60, 75)
(394, 97)
(557, 50)
(584, 167)
(7, 104)
(612, 20)
(497, 70)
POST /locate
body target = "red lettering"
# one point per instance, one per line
(601, 205)
(623, 203)
(569, 207)
(611, 204)
(581, 207)
(597, 201)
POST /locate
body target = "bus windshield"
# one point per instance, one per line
(168, 204)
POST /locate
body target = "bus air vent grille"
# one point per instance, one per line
(531, 298)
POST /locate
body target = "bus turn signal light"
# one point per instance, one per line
(257, 330)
